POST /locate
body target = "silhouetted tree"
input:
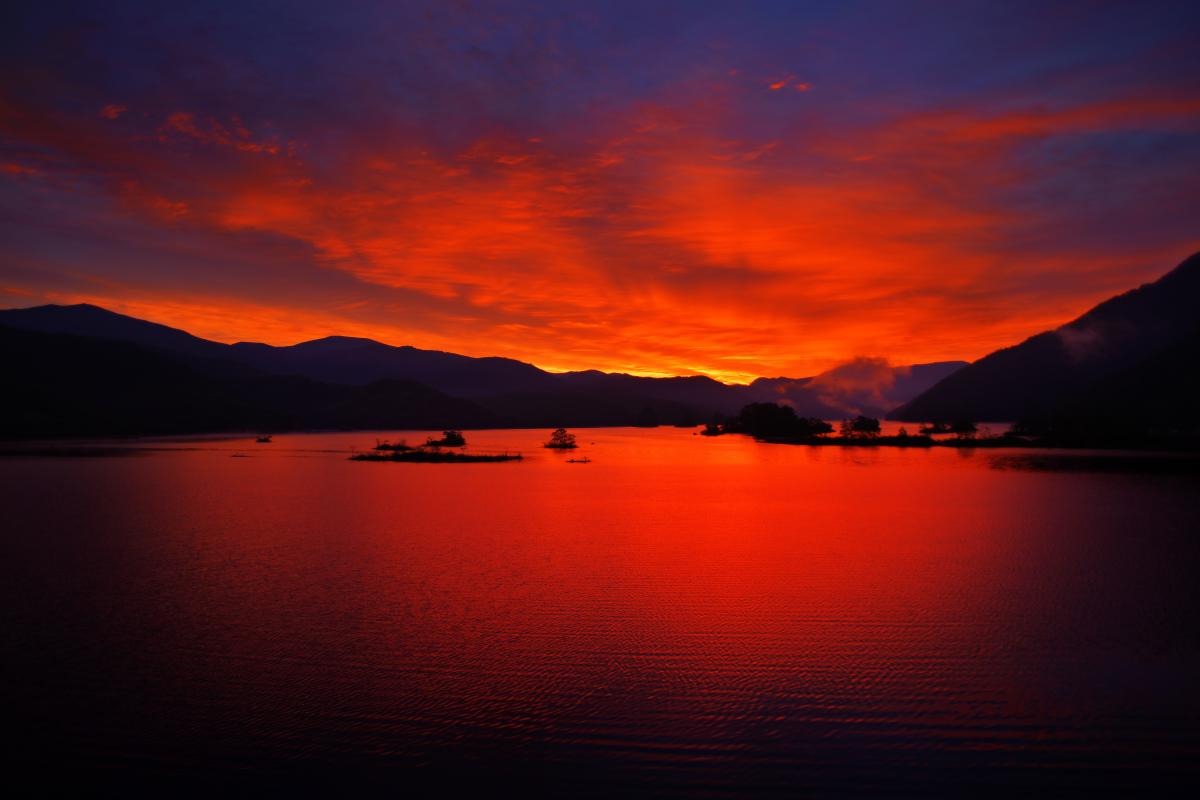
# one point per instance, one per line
(964, 429)
(860, 426)
(561, 440)
(449, 439)
(767, 419)
(811, 426)
(773, 421)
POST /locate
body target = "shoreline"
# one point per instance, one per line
(922, 442)
(99, 446)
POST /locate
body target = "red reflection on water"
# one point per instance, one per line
(811, 606)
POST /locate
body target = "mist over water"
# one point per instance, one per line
(713, 616)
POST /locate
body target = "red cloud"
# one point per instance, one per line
(651, 245)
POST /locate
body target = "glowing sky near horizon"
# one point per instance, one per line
(738, 189)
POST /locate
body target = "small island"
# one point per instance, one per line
(779, 424)
(449, 439)
(561, 440)
(431, 452)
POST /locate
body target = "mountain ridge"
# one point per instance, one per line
(1046, 374)
(68, 385)
(508, 387)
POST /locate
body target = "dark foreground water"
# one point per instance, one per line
(681, 615)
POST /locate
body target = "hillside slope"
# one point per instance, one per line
(1095, 365)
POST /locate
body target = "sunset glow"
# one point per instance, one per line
(662, 191)
(601, 398)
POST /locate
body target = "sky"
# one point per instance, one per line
(736, 189)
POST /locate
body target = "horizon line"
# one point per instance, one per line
(549, 370)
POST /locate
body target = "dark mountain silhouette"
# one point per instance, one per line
(341, 359)
(917, 379)
(516, 392)
(582, 408)
(334, 359)
(1160, 393)
(698, 392)
(504, 391)
(85, 319)
(1132, 354)
(66, 385)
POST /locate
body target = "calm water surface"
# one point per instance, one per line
(683, 615)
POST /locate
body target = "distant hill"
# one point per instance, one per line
(340, 359)
(691, 399)
(1132, 354)
(499, 391)
(334, 359)
(66, 385)
(85, 319)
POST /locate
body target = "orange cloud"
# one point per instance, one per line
(654, 245)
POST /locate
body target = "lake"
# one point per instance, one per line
(683, 615)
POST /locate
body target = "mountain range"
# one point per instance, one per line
(83, 370)
(1132, 361)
